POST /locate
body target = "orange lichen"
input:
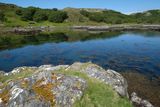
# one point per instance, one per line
(5, 96)
(54, 77)
(44, 91)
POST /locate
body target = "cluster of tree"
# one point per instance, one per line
(113, 17)
(37, 14)
(151, 17)
(2, 16)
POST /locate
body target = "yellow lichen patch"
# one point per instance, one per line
(44, 91)
(5, 96)
(54, 77)
(24, 84)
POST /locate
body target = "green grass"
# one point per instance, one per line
(97, 94)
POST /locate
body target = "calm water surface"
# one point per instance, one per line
(121, 51)
(139, 51)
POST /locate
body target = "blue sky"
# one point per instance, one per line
(124, 6)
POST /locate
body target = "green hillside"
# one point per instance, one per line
(151, 16)
(12, 15)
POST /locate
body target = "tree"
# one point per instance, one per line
(40, 15)
(18, 11)
(57, 16)
(55, 9)
(85, 13)
(28, 13)
(2, 16)
(96, 16)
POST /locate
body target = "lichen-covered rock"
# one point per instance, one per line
(46, 86)
(139, 101)
(51, 67)
(70, 90)
(21, 69)
(36, 103)
(43, 89)
(110, 77)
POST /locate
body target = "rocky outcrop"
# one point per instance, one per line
(139, 101)
(42, 89)
(47, 86)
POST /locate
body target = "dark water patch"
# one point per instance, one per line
(145, 87)
(16, 41)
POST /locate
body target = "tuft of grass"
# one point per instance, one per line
(97, 94)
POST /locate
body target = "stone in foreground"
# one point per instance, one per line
(47, 86)
(43, 89)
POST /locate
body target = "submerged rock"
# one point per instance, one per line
(139, 101)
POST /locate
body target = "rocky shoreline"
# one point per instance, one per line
(36, 30)
(119, 28)
(47, 85)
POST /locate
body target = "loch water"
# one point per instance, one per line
(121, 51)
(136, 55)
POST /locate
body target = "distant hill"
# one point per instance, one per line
(12, 15)
(74, 15)
(150, 16)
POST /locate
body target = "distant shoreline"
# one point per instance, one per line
(110, 28)
(119, 28)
